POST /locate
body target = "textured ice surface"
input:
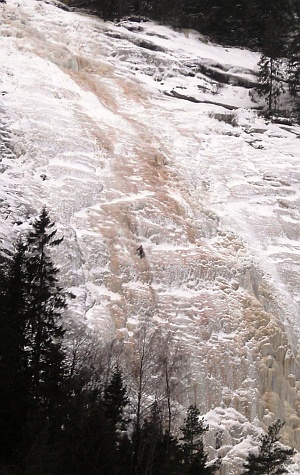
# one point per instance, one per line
(126, 135)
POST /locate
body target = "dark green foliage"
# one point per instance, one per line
(112, 9)
(270, 64)
(89, 438)
(239, 22)
(272, 457)
(294, 71)
(268, 26)
(31, 358)
(150, 437)
(270, 79)
(193, 454)
(45, 301)
(115, 399)
(294, 59)
(13, 363)
(60, 419)
(158, 453)
(40, 454)
(192, 431)
(56, 414)
(92, 440)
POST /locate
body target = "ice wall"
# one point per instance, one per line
(90, 127)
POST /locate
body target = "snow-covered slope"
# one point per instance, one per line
(136, 134)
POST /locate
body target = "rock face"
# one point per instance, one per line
(89, 128)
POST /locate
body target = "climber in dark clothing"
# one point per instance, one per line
(141, 251)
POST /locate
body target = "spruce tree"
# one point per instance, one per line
(269, 75)
(46, 300)
(192, 431)
(115, 399)
(272, 458)
(294, 58)
(194, 457)
(151, 436)
(31, 356)
(13, 363)
(294, 66)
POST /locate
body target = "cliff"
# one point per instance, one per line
(135, 134)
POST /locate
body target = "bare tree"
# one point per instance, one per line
(174, 380)
(142, 365)
(89, 359)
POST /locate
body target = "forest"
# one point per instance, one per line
(235, 22)
(70, 404)
(268, 26)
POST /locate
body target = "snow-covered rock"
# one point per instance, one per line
(137, 134)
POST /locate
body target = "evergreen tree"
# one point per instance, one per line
(192, 14)
(194, 456)
(115, 399)
(13, 363)
(46, 300)
(88, 438)
(270, 80)
(294, 57)
(159, 453)
(272, 457)
(240, 22)
(31, 356)
(192, 431)
(111, 9)
(270, 63)
(168, 11)
(294, 66)
(151, 435)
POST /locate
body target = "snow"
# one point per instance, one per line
(121, 131)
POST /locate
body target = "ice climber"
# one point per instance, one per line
(141, 251)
